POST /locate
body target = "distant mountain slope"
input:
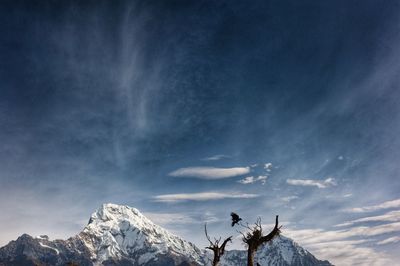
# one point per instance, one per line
(27, 250)
(281, 251)
(121, 235)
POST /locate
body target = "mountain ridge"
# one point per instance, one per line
(121, 235)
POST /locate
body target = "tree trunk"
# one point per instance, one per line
(215, 261)
(250, 257)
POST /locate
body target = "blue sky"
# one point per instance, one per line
(188, 110)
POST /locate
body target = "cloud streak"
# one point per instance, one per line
(312, 183)
(393, 216)
(389, 240)
(318, 235)
(180, 218)
(210, 172)
(216, 157)
(289, 198)
(385, 205)
(204, 196)
(342, 247)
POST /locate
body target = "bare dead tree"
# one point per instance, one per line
(254, 238)
(216, 248)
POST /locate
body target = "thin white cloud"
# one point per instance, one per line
(385, 205)
(168, 218)
(344, 247)
(179, 218)
(204, 196)
(210, 172)
(252, 179)
(311, 182)
(393, 216)
(389, 240)
(289, 198)
(349, 253)
(268, 167)
(309, 236)
(216, 157)
(262, 178)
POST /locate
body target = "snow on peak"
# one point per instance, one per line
(286, 247)
(118, 231)
(280, 251)
(112, 213)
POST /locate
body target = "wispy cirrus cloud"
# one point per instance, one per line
(167, 218)
(389, 240)
(312, 182)
(345, 247)
(203, 196)
(216, 157)
(349, 252)
(210, 172)
(393, 216)
(385, 205)
(289, 198)
(352, 245)
(180, 218)
(309, 236)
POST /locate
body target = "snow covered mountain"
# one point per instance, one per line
(281, 251)
(121, 235)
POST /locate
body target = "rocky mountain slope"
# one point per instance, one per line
(281, 251)
(121, 235)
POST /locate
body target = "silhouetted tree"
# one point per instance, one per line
(214, 246)
(254, 238)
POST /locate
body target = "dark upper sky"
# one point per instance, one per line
(133, 102)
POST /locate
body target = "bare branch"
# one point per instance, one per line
(214, 246)
(222, 248)
(246, 226)
(275, 232)
(208, 238)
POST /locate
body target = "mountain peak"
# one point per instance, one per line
(121, 232)
(110, 212)
(281, 251)
(117, 209)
